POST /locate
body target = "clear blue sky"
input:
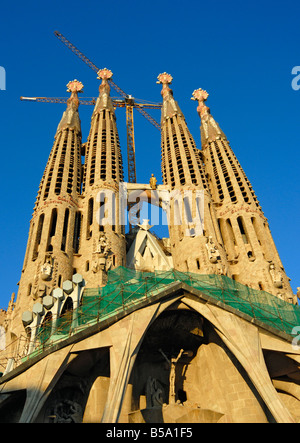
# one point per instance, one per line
(242, 53)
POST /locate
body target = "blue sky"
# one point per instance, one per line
(242, 53)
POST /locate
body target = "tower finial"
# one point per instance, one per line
(75, 87)
(104, 74)
(201, 96)
(170, 107)
(165, 79)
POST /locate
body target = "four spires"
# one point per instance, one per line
(215, 170)
(170, 106)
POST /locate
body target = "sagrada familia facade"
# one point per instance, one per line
(115, 327)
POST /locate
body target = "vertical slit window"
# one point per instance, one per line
(52, 229)
(101, 211)
(90, 217)
(76, 238)
(228, 237)
(65, 230)
(260, 235)
(60, 171)
(229, 226)
(38, 237)
(242, 230)
(51, 164)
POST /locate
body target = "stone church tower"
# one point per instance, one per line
(195, 238)
(115, 327)
(102, 240)
(49, 254)
(251, 252)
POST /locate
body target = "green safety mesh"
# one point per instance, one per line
(126, 288)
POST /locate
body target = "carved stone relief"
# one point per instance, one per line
(46, 268)
(67, 411)
(101, 261)
(154, 393)
(212, 250)
(276, 276)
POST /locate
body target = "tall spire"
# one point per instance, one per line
(103, 171)
(70, 118)
(184, 174)
(210, 129)
(251, 252)
(170, 107)
(181, 162)
(228, 181)
(63, 171)
(103, 161)
(49, 254)
(104, 100)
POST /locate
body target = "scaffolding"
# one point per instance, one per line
(130, 289)
(126, 286)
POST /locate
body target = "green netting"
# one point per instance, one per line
(126, 288)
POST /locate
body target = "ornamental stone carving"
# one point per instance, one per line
(212, 250)
(100, 255)
(276, 276)
(46, 268)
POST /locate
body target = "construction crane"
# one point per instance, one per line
(128, 102)
(89, 101)
(57, 100)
